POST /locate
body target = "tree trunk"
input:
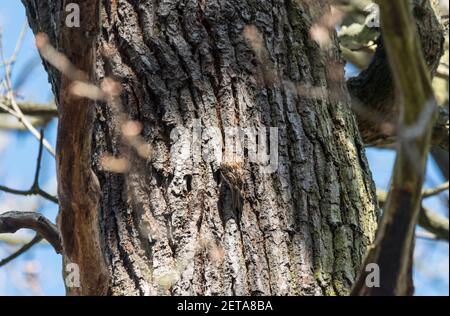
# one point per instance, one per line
(173, 224)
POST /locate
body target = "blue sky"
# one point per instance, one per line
(17, 163)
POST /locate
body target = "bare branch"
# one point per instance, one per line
(11, 222)
(15, 107)
(373, 90)
(35, 188)
(37, 239)
(426, 236)
(30, 108)
(16, 240)
(413, 91)
(442, 73)
(435, 224)
(19, 44)
(40, 192)
(435, 191)
(428, 220)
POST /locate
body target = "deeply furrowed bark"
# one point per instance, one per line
(169, 225)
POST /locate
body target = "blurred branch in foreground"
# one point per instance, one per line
(373, 90)
(428, 220)
(394, 244)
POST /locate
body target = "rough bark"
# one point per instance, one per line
(169, 225)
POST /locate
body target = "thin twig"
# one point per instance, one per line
(10, 95)
(15, 240)
(19, 44)
(35, 188)
(29, 108)
(9, 111)
(435, 191)
(430, 221)
(427, 236)
(434, 223)
(37, 239)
